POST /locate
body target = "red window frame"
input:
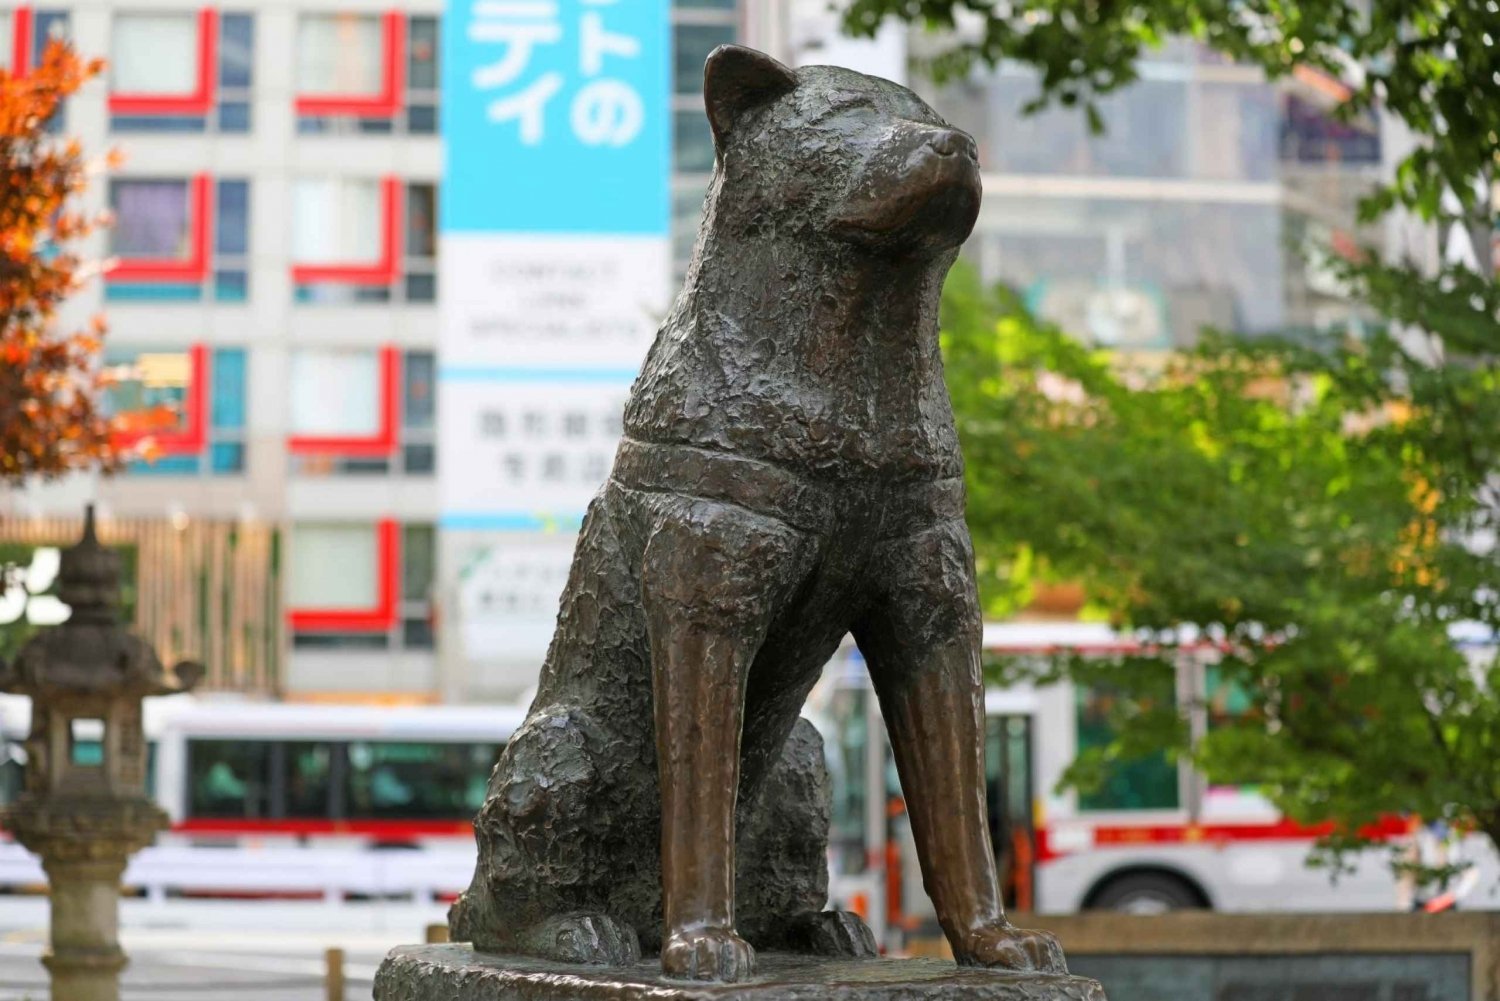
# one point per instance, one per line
(383, 105)
(195, 267)
(383, 441)
(194, 436)
(200, 102)
(20, 41)
(383, 271)
(379, 618)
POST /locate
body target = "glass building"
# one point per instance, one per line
(1193, 208)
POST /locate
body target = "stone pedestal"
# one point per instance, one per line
(84, 846)
(457, 973)
(85, 958)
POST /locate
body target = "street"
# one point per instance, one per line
(222, 950)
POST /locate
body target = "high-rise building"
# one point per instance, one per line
(273, 300)
(1204, 202)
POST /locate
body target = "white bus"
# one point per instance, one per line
(298, 799)
(1157, 837)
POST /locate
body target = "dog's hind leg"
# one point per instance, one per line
(547, 846)
(782, 884)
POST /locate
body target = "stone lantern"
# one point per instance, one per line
(84, 808)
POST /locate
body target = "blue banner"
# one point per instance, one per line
(556, 116)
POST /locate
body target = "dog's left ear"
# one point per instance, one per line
(737, 79)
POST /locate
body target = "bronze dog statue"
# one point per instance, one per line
(789, 474)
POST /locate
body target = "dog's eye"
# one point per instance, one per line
(853, 111)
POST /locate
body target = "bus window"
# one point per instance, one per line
(229, 778)
(1228, 705)
(1008, 793)
(849, 775)
(430, 780)
(1148, 783)
(12, 768)
(307, 778)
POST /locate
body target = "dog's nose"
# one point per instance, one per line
(952, 142)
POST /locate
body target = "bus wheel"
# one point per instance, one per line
(1146, 893)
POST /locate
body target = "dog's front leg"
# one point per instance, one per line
(712, 579)
(921, 639)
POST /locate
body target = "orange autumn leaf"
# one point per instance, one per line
(50, 419)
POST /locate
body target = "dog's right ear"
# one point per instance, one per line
(737, 79)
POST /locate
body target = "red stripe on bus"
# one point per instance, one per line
(321, 825)
(1217, 835)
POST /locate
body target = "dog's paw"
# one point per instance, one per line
(1003, 945)
(832, 933)
(707, 953)
(595, 939)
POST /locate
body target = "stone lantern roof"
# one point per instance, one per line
(92, 653)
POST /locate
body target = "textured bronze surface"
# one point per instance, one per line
(789, 475)
(455, 973)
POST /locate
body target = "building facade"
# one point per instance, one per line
(273, 298)
(273, 290)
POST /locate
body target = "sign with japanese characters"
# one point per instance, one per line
(555, 257)
(554, 204)
(508, 594)
(556, 116)
(529, 455)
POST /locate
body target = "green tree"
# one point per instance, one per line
(1321, 513)
(1434, 64)
(1327, 510)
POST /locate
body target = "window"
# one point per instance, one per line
(232, 242)
(306, 770)
(692, 142)
(152, 219)
(179, 239)
(229, 778)
(419, 401)
(187, 407)
(426, 781)
(347, 243)
(422, 81)
(181, 71)
(12, 754)
(341, 585)
(1135, 272)
(335, 220)
(357, 585)
(340, 411)
(335, 392)
(24, 34)
(154, 53)
(362, 412)
(418, 571)
(1309, 134)
(86, 742)
(420, 265)
(698, 27)
(334, 566)
(367, 73)
(1148, 783)
(691, 44)
(688, 194)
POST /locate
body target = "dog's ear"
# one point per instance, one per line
(737, 79)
